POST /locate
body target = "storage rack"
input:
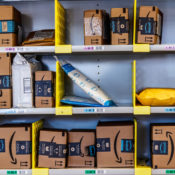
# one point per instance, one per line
(62, 49)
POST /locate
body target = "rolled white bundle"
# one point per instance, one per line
(86, 84)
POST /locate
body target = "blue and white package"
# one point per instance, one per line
(86, 84)
(79, 101)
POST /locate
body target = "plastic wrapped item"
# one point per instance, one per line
(22, 79)
(79, 101)
(40, 38)
(86, 84)
(157, 97)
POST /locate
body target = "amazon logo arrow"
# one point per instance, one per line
(168, 134)
(14, 160)
(119, 160)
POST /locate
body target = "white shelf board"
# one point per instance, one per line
(33, 49)
(102, 110)
(102, 48)
(27, 111)
(107, 171)
(163, 110)
(16, 172)
(162, 171)
(162, 48)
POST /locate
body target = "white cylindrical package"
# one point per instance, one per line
(86, 84)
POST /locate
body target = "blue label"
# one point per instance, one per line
(44, 88)
(44, 148)
(59, 151)
(68, 68)
(147, 26)
(103, 145)
(169, 109)
(74, 149)
(160, 147)
(127, 145)
(2, 145)
(10, 27)
(119, 25)
(5, 82)
(91, 150)
(23, 147)
(52, 150)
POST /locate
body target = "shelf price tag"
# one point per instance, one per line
(11, 172)
(90, 172)
(170, 171)
(94, 110)
(94, 48)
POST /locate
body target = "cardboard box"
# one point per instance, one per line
(44, 89)
(150, 25)
(10, 13)
(52, 149)
(15, 147)
(96, 27)
(22, 78)
(81, 149)
(115, 145)
(5, 81)
(8, 39)
(119, 26)
(163, 140)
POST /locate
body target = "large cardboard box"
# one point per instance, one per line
(44, 89)
(5, 81)
(150, 25)
(81, 152)
(163, 140)
(52, 149)
(96, 27)
(15, 147)
(119, 26)
(115, 145)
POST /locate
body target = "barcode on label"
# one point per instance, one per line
(100, 172)
(22, 172)
(27, 85)
(169, 109)
(99, 48)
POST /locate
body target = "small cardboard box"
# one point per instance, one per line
(15, 147)
(96, 27)
(81, 153)
(150, 25)
(52, 149)
(44, 89)
(10, 13)
(163, 140)
(8, 39)
(115, 145)
(119, 26)
(5, 81)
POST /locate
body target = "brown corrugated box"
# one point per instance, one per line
(15, 147)
(79, 143)
(52, 149)
(150, 25)
(119, 26)
(44, 89)
(115, 145)
(163, 140)
(96, 27)
(5, 81)
(9, 13)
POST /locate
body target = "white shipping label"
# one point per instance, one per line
(93, 26)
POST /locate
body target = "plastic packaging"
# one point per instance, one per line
(22, 79)
(79, 101)
(157, 97)
(86, 84)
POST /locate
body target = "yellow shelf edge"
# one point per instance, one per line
(142, 110)
(64, 110)
(141, 48)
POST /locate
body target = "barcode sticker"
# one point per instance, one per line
(170, 171)
(94, 110)
(169, 109)
(90, 172)
(100, 171)
(99, 48)
(27, 85)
